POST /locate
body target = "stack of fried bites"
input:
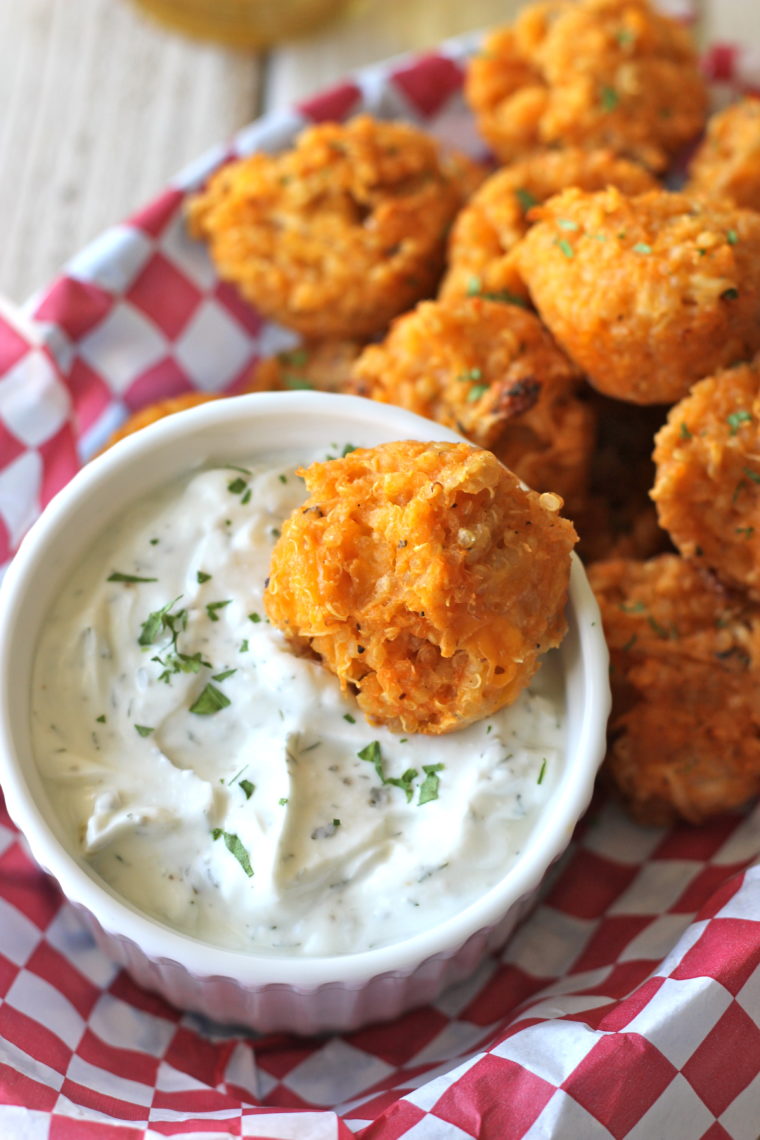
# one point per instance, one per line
(599, 333)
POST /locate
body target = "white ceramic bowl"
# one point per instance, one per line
(268, 993)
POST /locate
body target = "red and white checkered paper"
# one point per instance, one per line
(627, 1005)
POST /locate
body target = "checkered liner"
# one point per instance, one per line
(628, 1005)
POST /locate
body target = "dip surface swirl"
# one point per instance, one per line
(225, 786)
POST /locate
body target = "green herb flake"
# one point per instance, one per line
(243, 645)
(747, 531)
(283, 478)
(526, 199)
(237, 486)
(373, 755)
(429, 786)
(296, 357)
(565, 247)
(476, 392)
(255, 618)
(159, 621)
(642, 247)
(729, 294)
(235, 847)
(246, 498)
(632, 607)
(296, 383)
(210, 700)
(282, 801)
(470, 374)
(154, 541)
(202, 577)
(542, 773)
(212, 607)
(248, 788)
(567, 224)
(685, 433)
(349, 718)
(625, 37)
(474, 286)
(405, 782)
(347, 449)
(732, 237)
(223, 675)
(101, 719)
(736, 419)
(753, 475)
(143, 729)
(117, 576)
(609, 98)
(630, 642)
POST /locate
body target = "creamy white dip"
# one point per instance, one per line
(227, 787)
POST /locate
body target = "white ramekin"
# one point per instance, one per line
(268, 993)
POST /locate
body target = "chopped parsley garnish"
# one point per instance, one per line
(154, 541)
(630, 642)
(349, 718)
(632, 607)
(753, 475)
(177, 662)
(476, 392)
(526, 199)
(685, 433)
(565, 247)
(347, 449)
(212, 607)
(237, 486)
(255, 618)
(732, 237)
(609, 98)
(470, 374)
(162, 621)
(429, 786)
(373, 755)
(243, 645)
(235, 847)
(296, 357)
(729, 294)
(567, 224)
(542, 773)
(747, 531)
(503, 296)
(248, 788)
(210, 700)
(283, 478)
(202, 577)
(117, 576)
(143, 729)
(642, 247)
(223, 675)
(282, 801)
(736, 419)
(101, 719)
(246, 498)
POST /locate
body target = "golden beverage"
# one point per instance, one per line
(242, 23)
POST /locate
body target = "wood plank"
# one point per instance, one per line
(100, 108)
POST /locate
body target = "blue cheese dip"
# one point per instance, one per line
(224, 785)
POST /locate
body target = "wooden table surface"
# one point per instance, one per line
(101, 107)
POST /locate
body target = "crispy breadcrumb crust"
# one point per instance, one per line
(707, 485)
(727, 162)
(685, 672)
(336, 236)
(647, 294)
(425, 578)
(324, 366)
(498, 214)
(158, 411)
(492, 372)
(589, 73)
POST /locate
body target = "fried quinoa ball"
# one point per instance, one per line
(336, 236)
(492, 372)
(685, 656)
(646, 294)
(322, 365)
(425, 578)
(589, 73)
(727, 162)
(496, 217)
(707, 486)
(158, 411)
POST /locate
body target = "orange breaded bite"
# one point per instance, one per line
(336, 236)
(323, 365)
(589, 73)
(425, 578)
(647, 294)
(707, 487)
(492, 372)
(727, 163)
(496, 217)
(159, 411)
(685, 656)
